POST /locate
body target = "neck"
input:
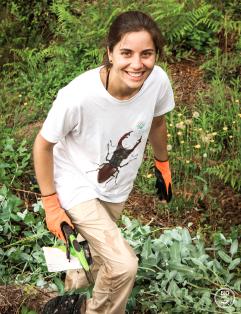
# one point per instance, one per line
(118, 90)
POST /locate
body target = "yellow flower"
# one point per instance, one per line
(225, 128)
(230, 136)
(239, 115)
(179, 114)
(237, 100)
(149, 175)
(200, 129)
(197, 146)
(211, 141)
(187, 161)
(234, 122)
(214, 133)
(182, 142)
(170, 124)
(179, 133)
(168, 135)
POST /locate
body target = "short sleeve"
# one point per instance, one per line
(165, 101)
(63, 118)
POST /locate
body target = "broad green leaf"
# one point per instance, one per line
(175, 255)
(147, 251)
(226, 258)
(234, 263)
(60, 285)
(186, 236)
(174, 234)
(234, 247)
(237, 284)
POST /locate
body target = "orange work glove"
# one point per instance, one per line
(55, 215)
(163, 180)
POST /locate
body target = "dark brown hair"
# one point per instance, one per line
(132, 21)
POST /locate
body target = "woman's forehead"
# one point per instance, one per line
(136, 39)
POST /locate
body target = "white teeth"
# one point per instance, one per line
(135, 74)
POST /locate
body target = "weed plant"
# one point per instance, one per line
(204, 143)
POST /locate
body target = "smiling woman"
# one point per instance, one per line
(132, 59)
(91, 146)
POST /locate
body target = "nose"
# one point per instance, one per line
(136, 62)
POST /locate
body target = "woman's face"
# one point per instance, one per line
(133, 59)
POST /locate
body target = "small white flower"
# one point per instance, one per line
(180, 125)
(169, 147)
(225, 128)
(195, 114)
(205, 155)
(188, 121)
(179, 133)
(197, 146)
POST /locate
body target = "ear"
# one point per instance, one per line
(157, 57)
(109, 53)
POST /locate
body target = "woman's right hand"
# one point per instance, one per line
(55, 215)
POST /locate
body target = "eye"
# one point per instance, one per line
(126, 53)
(147, 54)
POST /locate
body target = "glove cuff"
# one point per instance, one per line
(162, 166)
(50, 202)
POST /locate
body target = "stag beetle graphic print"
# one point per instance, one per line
(111, 168)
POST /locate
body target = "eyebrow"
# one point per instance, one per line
(145, 50)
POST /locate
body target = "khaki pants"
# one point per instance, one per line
(114, 262)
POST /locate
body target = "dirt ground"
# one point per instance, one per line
(188, 80)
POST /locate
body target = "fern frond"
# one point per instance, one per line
(178, 20)
(229, 172)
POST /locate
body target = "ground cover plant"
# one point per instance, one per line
(187, 249)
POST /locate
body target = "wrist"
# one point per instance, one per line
(160, 159)
(49, 194)
(51, 202)
(162, 166)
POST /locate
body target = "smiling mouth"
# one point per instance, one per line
(135, 75)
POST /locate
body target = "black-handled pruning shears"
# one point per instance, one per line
(79, 249)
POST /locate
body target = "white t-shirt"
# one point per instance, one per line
(100, 139)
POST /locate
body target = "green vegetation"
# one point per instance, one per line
(45, 44)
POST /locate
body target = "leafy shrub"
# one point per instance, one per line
(187, 25)
(229, 172)
(23, 233)
(178, 273)
(14, 160)
(224, 66)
